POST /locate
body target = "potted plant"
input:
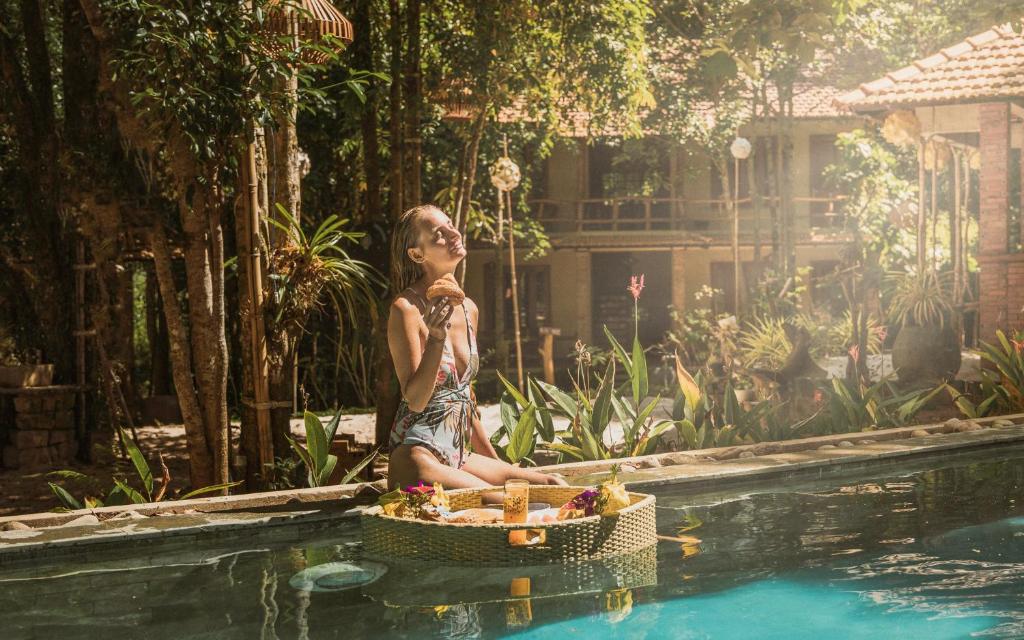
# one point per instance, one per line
(927, 348)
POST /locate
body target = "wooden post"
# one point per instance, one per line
(737, 265)
(515, 294)
(547, 352)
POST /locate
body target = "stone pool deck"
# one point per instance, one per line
(51, 537)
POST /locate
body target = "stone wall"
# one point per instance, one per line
(37, 427)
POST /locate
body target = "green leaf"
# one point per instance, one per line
(331, 429)
(592, 448)
(141, 467)
(302, 453)
(519, 398)
(354, 471)
(210, 489)
(132, 494)
(561, 399)
(523, 437)
(646, 413)
(688, 433)
(65, 498)
(508, 411)
(603, 403)
(689, 387)
(565, 449)
(545, 425)
(316, 441)
(638, 375)
(619, 351)
(650, 443)
(324, 474)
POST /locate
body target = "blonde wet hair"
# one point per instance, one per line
(404, 272)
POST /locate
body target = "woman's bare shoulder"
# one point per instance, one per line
(404, 306)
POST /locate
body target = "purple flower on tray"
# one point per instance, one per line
(586, 501)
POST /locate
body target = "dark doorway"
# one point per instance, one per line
(612, 304)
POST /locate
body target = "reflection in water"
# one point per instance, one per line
(939, 553)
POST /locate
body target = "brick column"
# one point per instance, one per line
(678, 279)
(584, 282)
(994, 125)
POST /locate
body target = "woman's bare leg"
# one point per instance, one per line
(410, 464)
(495, 472)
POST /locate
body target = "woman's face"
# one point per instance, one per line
(440, 242)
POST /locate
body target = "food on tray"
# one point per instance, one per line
(416, 501)
(606, 500)
(476, 516)
(446, 287)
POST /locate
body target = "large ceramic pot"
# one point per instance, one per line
(926, 354)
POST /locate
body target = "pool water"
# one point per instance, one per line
(935, 551)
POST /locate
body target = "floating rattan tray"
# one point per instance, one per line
(591, 538)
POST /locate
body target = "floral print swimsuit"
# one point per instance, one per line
(443, 425)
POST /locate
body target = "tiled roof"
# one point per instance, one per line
(988, 65)
(810, 101)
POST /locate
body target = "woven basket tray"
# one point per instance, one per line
(429, 584)
(595, 537)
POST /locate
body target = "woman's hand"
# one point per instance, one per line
(437, 320)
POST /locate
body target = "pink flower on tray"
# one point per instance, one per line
(636, 285)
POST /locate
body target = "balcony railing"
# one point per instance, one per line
(712, 218)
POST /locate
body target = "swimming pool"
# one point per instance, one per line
(934, 551)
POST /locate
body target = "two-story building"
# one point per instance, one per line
(653, 206)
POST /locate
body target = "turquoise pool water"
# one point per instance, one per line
(936, 551)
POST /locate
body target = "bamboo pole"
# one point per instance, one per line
(258, 346)
(80, 418)
(921, 228)
(737, 265)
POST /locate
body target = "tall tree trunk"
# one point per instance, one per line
(465, 188)
(395, 107)
(201, 465)
(363, 58)
(413, 99)
(386, 389)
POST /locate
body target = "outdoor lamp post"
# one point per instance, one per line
(505, 176)
(740, 150)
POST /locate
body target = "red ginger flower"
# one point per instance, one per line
(636, 286)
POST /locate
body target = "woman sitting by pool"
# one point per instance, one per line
(433, 344)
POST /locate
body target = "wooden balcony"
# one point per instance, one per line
(709, 218)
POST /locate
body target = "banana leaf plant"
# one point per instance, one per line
(316, 455)
(123, 493)
(523, 419)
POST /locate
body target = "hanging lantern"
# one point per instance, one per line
(740, 148)
(456, 99)
(901, 128)
(505, 174)
(314, 22)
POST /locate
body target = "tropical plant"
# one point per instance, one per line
(122, 492)
(1002, 390)
(522, 419)
(306, 265)
(919, 299)
(705, 421)
(763, 343)
(316, 455)
(855, 406)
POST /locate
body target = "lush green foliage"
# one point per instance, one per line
(123, 492)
